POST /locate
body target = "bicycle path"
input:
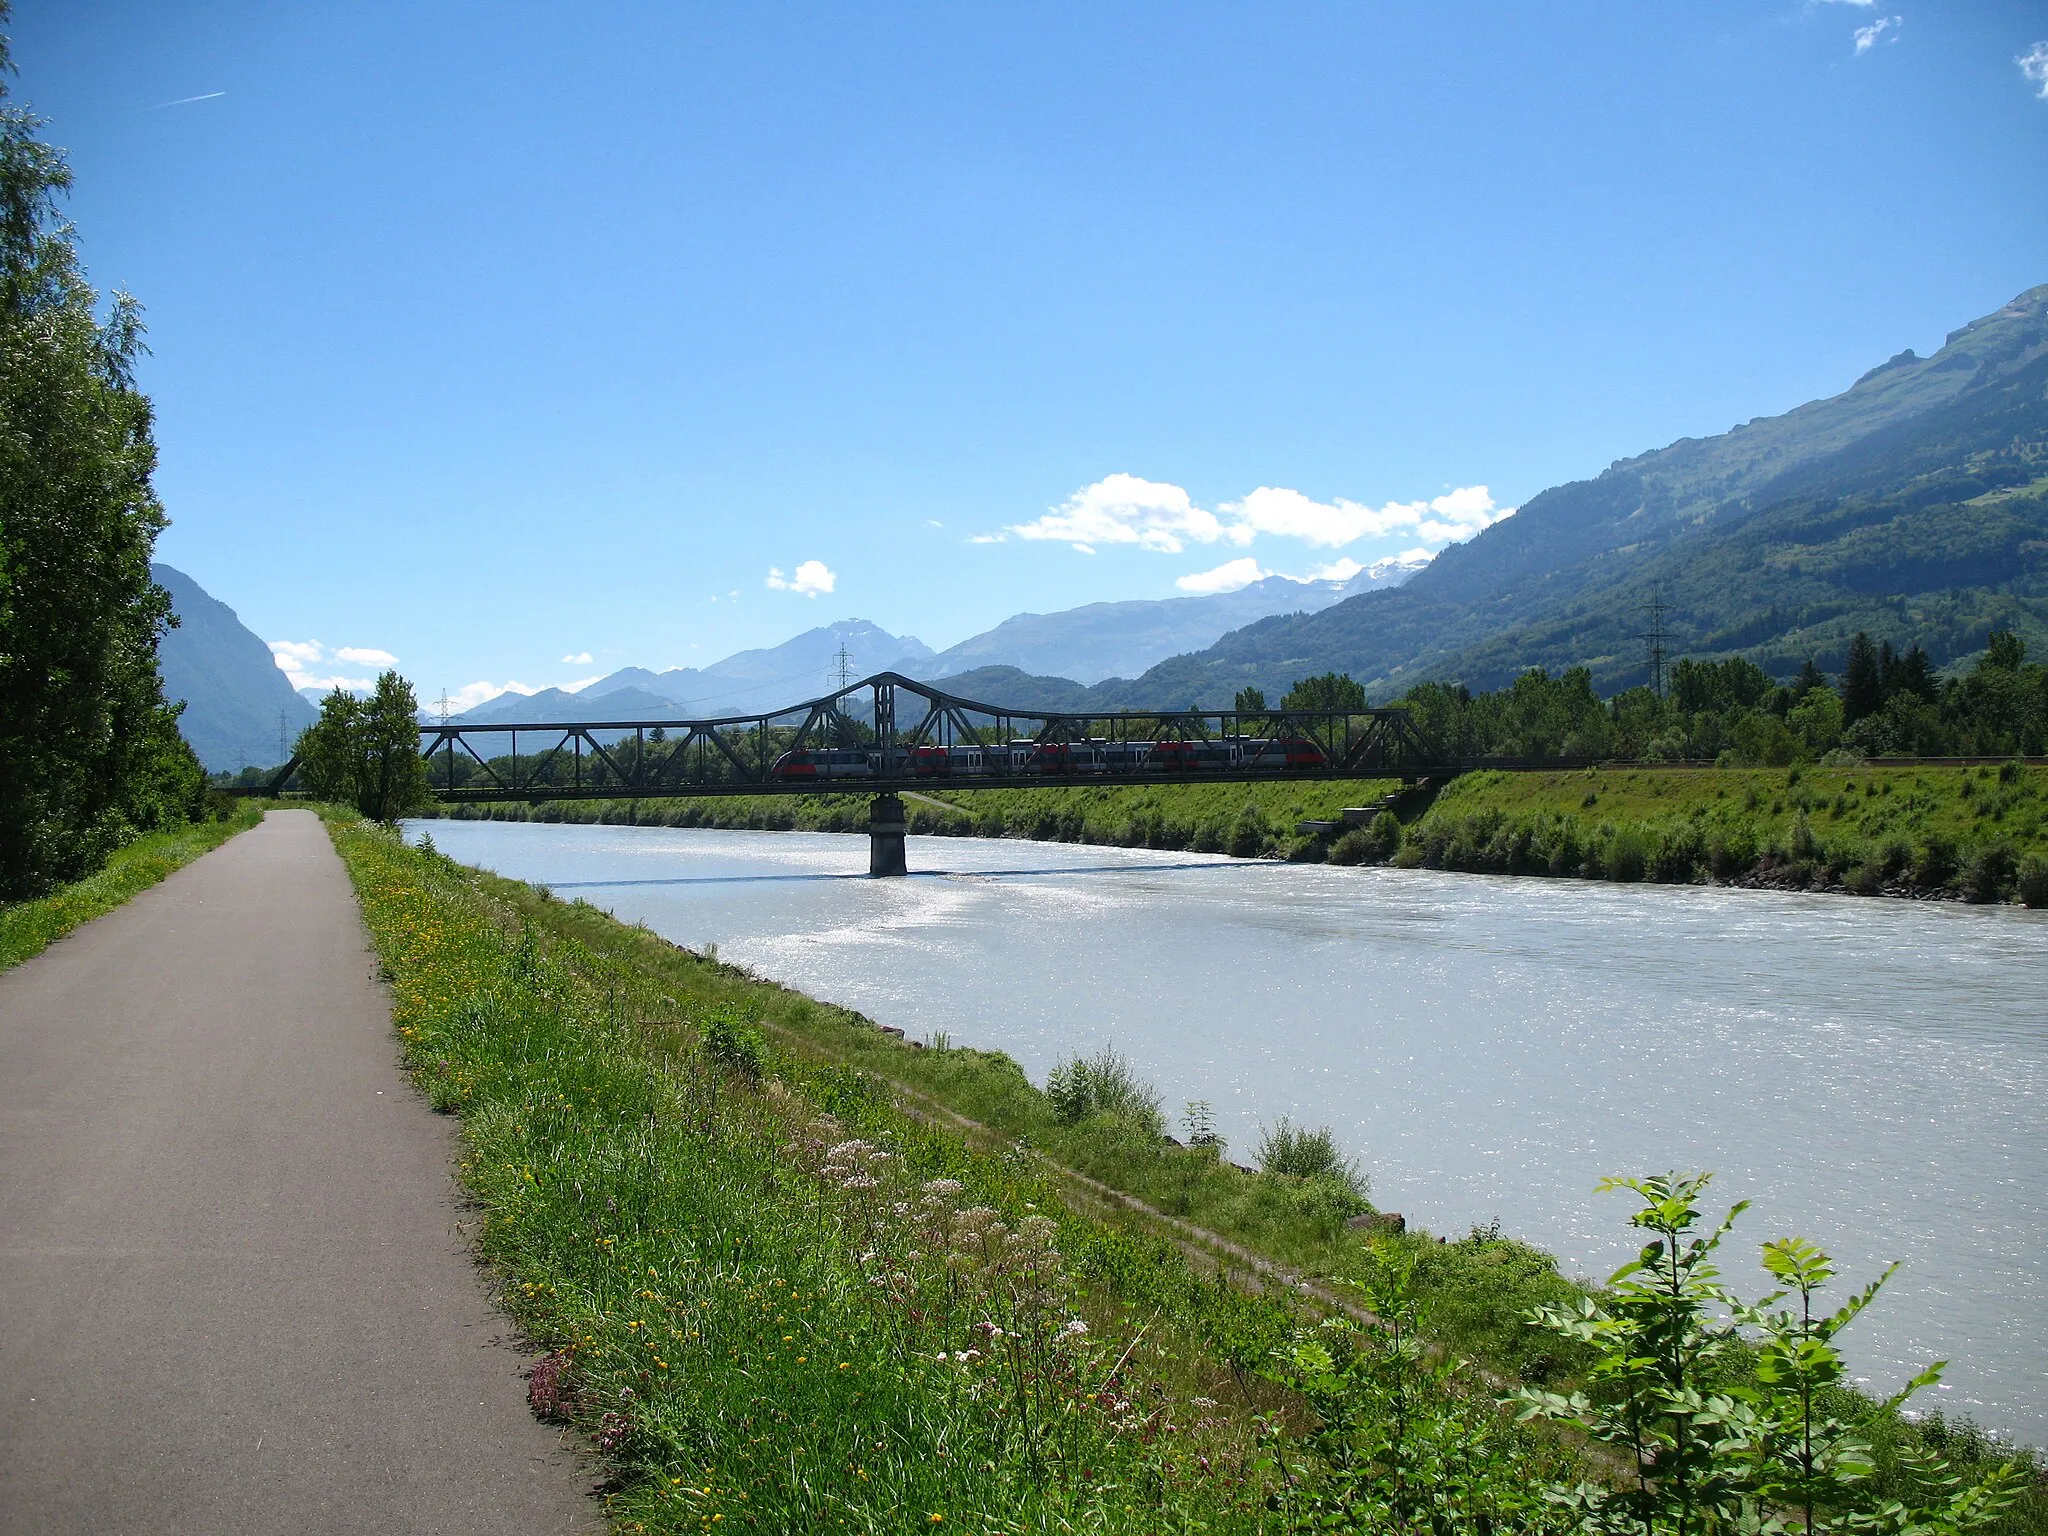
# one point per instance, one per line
(233, 1292)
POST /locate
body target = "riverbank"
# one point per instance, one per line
(1962, 833)
(1972, 833)
(30, 927)
(505, 998)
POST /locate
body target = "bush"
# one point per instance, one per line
(2034, 881)
(1936, 862)
(1297, 1152)
(1627, 856)
(734, 1044)
(1991, 873)
(1103, 1084)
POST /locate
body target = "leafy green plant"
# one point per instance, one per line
(1106, 1085)
(1403, 1438)
(1708, 1450)
(733, 1043)
(2033, 880)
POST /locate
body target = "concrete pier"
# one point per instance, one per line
(886, 827)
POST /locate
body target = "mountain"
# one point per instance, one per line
(233, 692)
(1913, 505)
(1104, 640)
(556, 706)
(796, 670)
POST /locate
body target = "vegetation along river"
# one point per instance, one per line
(1873, 1074)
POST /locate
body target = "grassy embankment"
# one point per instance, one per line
(30, 927)
(1978, 833)
(757, 1335)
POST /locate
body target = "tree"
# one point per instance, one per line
(1333, 690)
(1250, 701)
(2005, 651)
(366, 752)
(1862, 681)
(89, 751)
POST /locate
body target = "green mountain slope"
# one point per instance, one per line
(1914, 505)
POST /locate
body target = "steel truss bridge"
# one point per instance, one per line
(889, 733)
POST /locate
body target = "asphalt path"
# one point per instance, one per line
(234, 1292)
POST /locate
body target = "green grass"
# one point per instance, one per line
(30, 927)
(1977, 832)
(642, 1136)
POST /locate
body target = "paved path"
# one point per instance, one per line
(232, 1293)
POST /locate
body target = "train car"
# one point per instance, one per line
(1189, 756)
(1281, 752)
(1064, 757)
(824, 763)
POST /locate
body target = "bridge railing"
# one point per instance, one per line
(890, 732)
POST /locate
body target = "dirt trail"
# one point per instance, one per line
(233, 1292)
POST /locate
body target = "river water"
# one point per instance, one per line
(1872, 1074)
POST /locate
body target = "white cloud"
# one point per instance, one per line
(1866, 37)
(299, 653)
(810, 579)
(329, 684)
(1283, 513)
(1124, 509)
(309, 664)
(472, 694)
(577, 659)
(2034, 65)
(581, 683)
(1228, 577)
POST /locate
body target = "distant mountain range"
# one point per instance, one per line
(1086, 645)
(234, 695)
(1104, 640)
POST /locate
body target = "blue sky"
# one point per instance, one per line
(494, 336)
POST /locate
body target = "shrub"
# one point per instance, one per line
(1627, 857)
(1354, 846)
(2034, 881)
(1936, 862)
(1103, 1084)
(733, 1043)
(1298, 1152)
(1991, 872)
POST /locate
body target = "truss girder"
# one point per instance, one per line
(737, 753)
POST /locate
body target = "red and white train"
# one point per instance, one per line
(1053, 759)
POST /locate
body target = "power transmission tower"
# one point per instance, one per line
(442, 704)
(281, 753)
(1656, 640)
(842, 666)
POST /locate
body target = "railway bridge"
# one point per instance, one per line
(889, 733)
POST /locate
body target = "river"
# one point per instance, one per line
(1871, 1074)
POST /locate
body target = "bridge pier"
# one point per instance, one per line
(886, 826)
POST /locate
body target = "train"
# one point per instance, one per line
(1279, 754)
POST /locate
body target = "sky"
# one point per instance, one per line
(511, 344)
